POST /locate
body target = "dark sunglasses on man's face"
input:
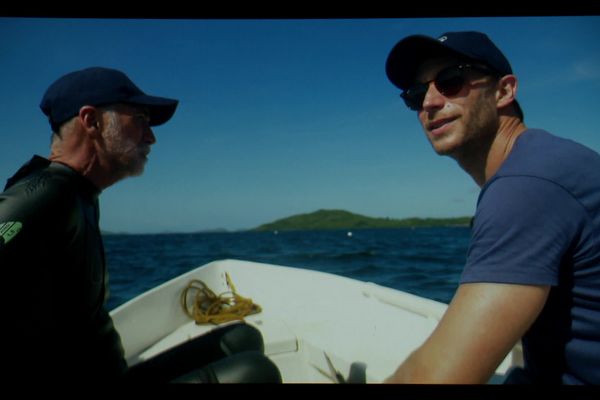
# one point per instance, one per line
(449, 82)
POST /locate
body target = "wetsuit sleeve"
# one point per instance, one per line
(522, 229)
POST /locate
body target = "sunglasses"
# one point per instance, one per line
(449, 82)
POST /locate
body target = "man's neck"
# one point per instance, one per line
(491, 155)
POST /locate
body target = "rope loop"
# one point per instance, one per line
(207, 307)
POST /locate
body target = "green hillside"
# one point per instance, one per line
(340, 219)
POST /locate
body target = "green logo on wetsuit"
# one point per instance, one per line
(9, 230)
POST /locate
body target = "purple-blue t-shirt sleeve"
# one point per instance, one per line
(522, 228)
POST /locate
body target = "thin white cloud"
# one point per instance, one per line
(586, 70)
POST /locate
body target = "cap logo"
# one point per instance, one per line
(443, 38)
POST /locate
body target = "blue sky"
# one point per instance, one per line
(281, 117)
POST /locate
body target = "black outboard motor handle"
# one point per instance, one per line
(246, 367)
(231, 353)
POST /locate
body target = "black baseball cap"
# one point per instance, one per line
(410, 52)
(99, 86)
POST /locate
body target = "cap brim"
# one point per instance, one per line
(406, 56)
(161, 109)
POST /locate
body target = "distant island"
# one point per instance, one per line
(340, 219)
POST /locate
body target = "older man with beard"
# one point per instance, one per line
(52, 256)
(51, 250)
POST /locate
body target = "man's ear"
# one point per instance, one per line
(507, 91)
(90, 120)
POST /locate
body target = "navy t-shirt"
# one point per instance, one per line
(538, 222)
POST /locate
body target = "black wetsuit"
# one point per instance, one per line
(53, 285)
(54, 279)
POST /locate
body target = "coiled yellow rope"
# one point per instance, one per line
(207, 307)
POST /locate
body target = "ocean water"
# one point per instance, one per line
(423, 261)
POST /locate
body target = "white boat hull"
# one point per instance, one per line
(304, 314)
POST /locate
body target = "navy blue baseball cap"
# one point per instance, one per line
(98, 86)
(410, 52)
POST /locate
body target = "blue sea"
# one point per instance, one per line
(423, 261)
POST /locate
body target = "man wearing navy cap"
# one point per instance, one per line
(52, 256)
(51, 249)
(108, 118)
(533, 265)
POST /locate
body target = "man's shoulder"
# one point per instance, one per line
(536, 145)
(38, 190)
(538, 154)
